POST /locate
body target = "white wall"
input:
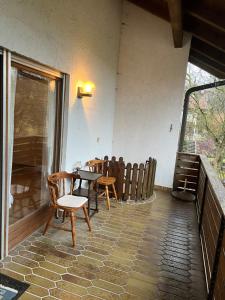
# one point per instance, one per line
(150, 92)
(80, 38)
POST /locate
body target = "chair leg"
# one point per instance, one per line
(87, 217)
(72, 218)
(114, 190)
(107, 197)
(52, 212)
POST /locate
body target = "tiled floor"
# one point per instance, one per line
(142, 251)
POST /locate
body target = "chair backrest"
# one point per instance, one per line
(60, 184)
(96, 165)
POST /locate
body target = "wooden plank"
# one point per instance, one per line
(117, 175)
(134, 182)
(153, 176)
(140, 181)
(205, 15)
(208, 63)
(110, 168)
(205, 32)
(192, 178)
(150, 173)
(186, 171)
(20, 230)
(145, 180)
(187, 156)
(189, 184)
(219, 290)
(121, 159)
(120, 180)
(206, 67)
(201, 189)
(208, 51)
(127, 181)
(188, 164)
(175, 12)
(205, 257)
(106, 164)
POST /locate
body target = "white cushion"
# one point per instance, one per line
(72, 201)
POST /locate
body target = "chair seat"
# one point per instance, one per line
(106, 180)
(71, 201)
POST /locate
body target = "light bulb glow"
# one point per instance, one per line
(85, 89)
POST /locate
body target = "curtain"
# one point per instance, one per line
(11, 129)
(48, 138)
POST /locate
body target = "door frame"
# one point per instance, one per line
(37, 218)
(1, 154)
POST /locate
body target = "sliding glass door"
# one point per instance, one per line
(1, 150)
(34, 111)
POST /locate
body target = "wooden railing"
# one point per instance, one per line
(133, 181)
(210, 206)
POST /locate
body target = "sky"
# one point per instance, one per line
(200, 76)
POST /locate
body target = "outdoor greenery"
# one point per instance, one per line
(206, 119)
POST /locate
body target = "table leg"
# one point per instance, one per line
(89, 200)
(96, 197)
(80, 183)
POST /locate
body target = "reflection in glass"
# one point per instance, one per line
(32, 111)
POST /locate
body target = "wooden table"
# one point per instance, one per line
(90, 193)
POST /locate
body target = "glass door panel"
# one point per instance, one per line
(31, 152)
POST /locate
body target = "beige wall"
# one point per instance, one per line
(81, 38)
(150, 92)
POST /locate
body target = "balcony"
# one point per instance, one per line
(158, 248)
(140, 250)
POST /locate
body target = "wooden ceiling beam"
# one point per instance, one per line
(158, 8)
(207, 60)
(205, 33)
(207, 57)
(206, 15)
(208, 68)
(206, 49)
(175, 12)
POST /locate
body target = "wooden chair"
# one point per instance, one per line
(58, 183)
(97, 165)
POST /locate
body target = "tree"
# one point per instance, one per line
(208, 109)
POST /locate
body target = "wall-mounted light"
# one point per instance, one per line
(85, 89)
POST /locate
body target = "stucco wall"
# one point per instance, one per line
(80, 38)
(150, 92)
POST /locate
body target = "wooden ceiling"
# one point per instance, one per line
(204, 19)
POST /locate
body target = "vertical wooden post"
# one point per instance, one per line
(140, 181)
(127, 182)
(105, 171)
(203, 203)
(149, 183)
(153, 177)
(120, 180)
(145, 181)
(134, 182)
